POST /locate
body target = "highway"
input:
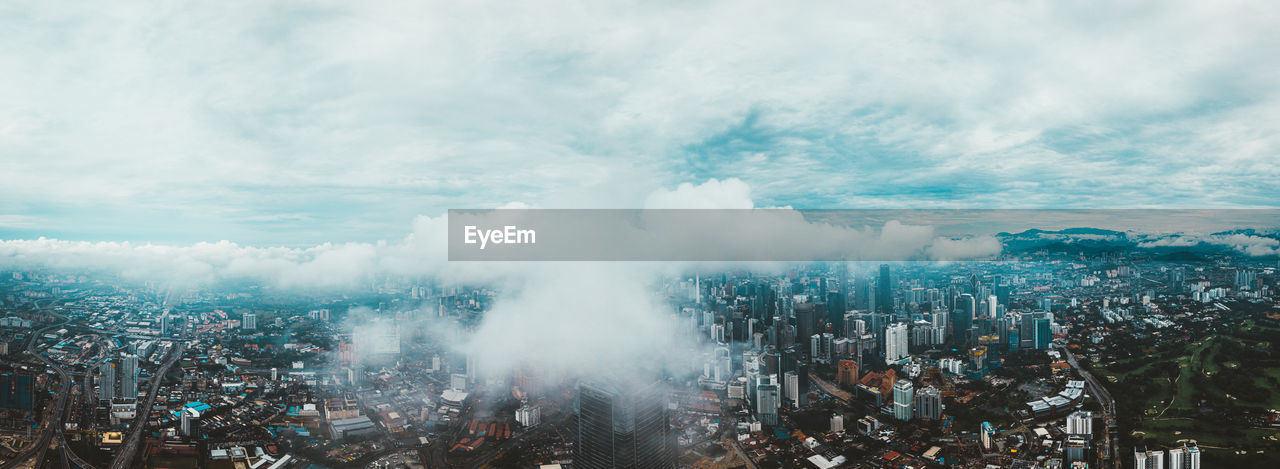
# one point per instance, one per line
(1110, 436)
(130, 447)
(48, 425)
(830, 388)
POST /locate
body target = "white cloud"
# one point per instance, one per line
(376, 111)
(947, 249)
(1247, 244)
(714, 194)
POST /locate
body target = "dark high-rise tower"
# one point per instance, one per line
(806, 319)
(884, 296)
(621, 426)
(836, 308)
(962, 325)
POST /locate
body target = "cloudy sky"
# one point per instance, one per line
(275, 124)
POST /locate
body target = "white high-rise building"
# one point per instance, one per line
(1185, 457)
(895, 343)
(249, 322)
(1080, 423)
(820, 347)
(992, 302)
(1143, 459)
(528, 415)
(1176, 459)
(190, 422)
(791, 384)
(837, 423)
(987, 435)
(903, 399)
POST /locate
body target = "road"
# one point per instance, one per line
(741, 453)
(1110, 436)
(830, 388)
(130, 447)
(48, 425)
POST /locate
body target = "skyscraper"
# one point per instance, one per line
(805, 321)
(1143, 459)
(836, 308)
(791, 381)
(963, 323)
(884, 296)
(1185, 457)
(128, 376)
(1080, 423)
(106, 381)
(903, 399)
(842, 289)
(987, 435)
(895, 343)
(928, 404)
(249, 322)
(820, 347)
(622, 426)
(768, 399)
(190, 422)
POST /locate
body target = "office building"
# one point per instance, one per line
(903, 400)
(1075, 449)
(249, 322)
(622, 426)
(128, 376)
(962, 323)
(768, 399)
(106, 381)
(805, 321)
(884, 294)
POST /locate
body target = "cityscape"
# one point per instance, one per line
(1056, 356)
(710, 234)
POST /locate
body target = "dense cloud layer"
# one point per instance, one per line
(316, 122)
(423, 252)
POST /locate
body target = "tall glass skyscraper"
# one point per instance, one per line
(128, 376)
(884, 295)
(621, 426)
